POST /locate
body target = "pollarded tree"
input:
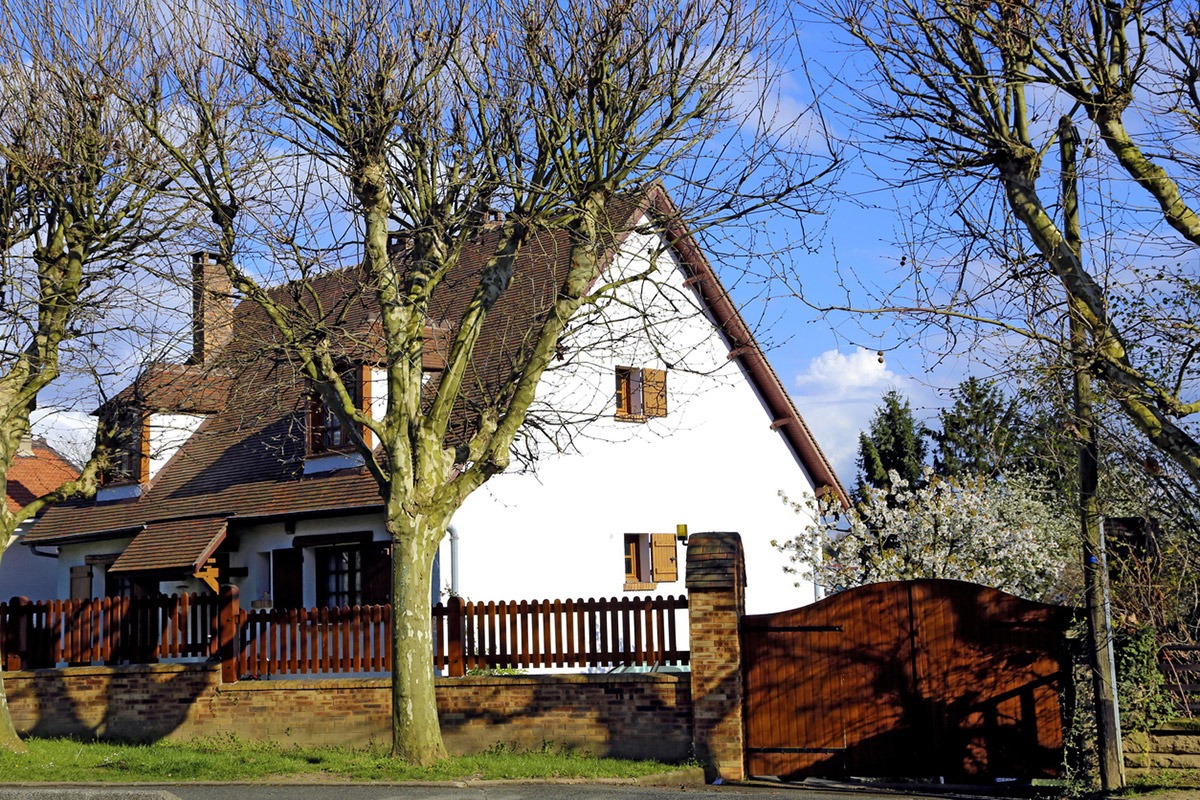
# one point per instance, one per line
(988, 104)
(429, 116)
(969, 96)
(79, 201)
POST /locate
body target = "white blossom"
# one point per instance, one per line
(1000, 533)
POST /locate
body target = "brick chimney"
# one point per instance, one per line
(212, 307)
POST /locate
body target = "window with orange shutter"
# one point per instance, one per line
(641, 393)
(650, 559)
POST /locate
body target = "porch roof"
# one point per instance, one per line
(180, 545)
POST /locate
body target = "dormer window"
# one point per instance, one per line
(326, 431)
(128, 443)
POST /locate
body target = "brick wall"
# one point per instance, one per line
(633, 715)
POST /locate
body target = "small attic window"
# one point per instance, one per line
(128, 441)
(326, 432)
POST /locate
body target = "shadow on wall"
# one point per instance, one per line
(129, 703)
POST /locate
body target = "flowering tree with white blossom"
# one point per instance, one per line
(1001, 533)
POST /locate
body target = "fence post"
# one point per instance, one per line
(228, 635)
(716, 583)
(456, 666)
(14, 634)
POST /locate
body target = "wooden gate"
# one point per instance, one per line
(906, 679)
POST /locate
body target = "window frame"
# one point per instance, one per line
(369, 570)
(650, 559)
(353, 573)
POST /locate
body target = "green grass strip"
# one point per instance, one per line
(231, 759)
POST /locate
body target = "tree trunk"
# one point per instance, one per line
(8, 734)
(416, 732)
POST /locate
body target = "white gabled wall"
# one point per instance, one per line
(712, 463)
(168, 432)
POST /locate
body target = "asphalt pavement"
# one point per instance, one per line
(475, 790)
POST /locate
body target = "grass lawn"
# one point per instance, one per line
(228, 759)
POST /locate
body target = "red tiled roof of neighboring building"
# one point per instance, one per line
(246, 459)
(39, 472)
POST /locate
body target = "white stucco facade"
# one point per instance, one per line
(713, 462)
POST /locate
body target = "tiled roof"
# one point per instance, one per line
(32, 475)
(246, 459)
(182, 544)
(182, 388)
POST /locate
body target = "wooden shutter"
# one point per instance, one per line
(663, 566)
(81, 582)
(622, 391)
(654, 392)
(316, 423)
(287, 578)
(376, 573)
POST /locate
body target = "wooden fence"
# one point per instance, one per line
(1180, 665)
(108, 630)
(259, 643)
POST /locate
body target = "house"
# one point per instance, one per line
(37, 469)
(233, 472)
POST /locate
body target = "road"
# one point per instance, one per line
(445, 791)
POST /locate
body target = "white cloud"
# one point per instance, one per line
(838, 394)
(71, 433)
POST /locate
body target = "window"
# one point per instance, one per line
(339, 577)
(353, 575)
(650, 559)
(641, 393)
(126, 435)
(326, 433)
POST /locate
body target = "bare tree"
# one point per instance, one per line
(968, 96)
(78, 202)
(428, 118)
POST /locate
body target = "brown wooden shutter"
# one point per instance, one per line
(654, 392)
(663, 566)
(364, 399)
(81, 582)
(376, 573)
(287, 578)
(316, 423)
(141, 463)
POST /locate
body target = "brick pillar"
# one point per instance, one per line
(716, 584)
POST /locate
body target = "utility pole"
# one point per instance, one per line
(1095, 565)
